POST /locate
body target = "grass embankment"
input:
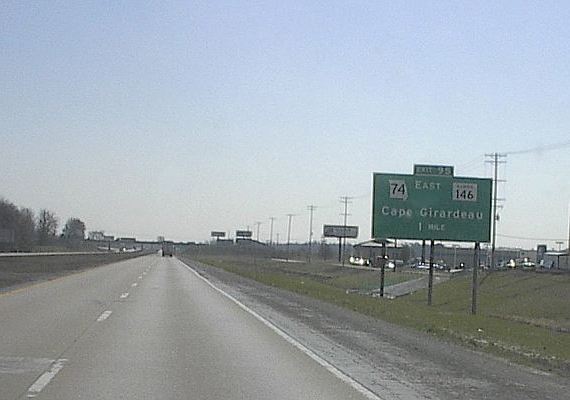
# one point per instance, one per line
(524, 316)
(23, 270)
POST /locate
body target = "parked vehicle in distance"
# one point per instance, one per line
(525, 263)
(425, 265)
(420, 265)
(361, 261)
(520, 263)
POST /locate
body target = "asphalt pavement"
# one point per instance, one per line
(151, 328)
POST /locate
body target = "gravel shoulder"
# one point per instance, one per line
(394, 362)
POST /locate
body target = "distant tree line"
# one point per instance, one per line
(22, 230)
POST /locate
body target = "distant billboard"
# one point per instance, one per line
(244, 234)
(96, 235)
(218, 234)
(340, 231)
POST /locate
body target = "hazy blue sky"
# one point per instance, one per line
(178, 118)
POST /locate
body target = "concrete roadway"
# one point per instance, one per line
(149, 328)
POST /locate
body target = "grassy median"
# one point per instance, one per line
(524, 316)
(28, 269)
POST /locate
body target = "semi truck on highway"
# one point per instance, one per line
(167, 249)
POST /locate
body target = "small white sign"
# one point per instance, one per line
(464, 192)
(340, 231)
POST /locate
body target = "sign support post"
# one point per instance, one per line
(475, 285)
(430, 281)
(382, 269)
(342, 249)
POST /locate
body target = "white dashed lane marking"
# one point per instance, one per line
(56, 365)
(45, 378)
(104, 316)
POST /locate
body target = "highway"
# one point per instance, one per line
(151, 328)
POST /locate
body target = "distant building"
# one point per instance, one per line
(96, 235)
(557, 260)
(373, 248)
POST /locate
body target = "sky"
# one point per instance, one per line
(178, 118)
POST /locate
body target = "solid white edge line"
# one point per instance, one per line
(104, 315)
(328, 366)
(46, 378)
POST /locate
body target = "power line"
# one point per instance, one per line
(541, 149)
(470, 164)
(530, 238)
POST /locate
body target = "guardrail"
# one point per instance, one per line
(65, 253)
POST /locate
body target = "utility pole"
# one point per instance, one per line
(311, 208)
(290, 216)
(495, 159)
(569, 229)
(271, 231)
(258, 225)
(346, 201)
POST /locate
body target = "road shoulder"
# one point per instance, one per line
(384, 357)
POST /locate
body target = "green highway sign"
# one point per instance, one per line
(431, 204)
